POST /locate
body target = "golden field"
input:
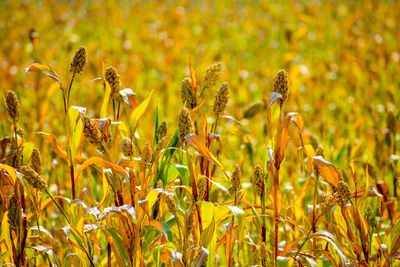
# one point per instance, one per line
(199, 133)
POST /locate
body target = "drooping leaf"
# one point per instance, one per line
(101, 162)
(127, 209)
(45, 69)
(197, 144)
(48, 251)
(327, 170)
(129, 98)
(58, 150)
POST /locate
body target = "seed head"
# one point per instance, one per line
(160, 146)
(236, 175)
(91, 130)
(327, 202)
(271, 239)
(146, 153)
(114, 80)
(127, 147)
(14, 160)
(160, 184)
(253, 109)
(221, 99)
(171, 204)
(320, 151)
(187, 93)
(14, 213)
(263, 254)
(184, 124)
(281, 85)
(15, 157)
(255, 260)
(20, 132)
(13, 107)
(201, 187)
(370, 216)
(162, 130)
(33, 178)
(79, 61)
(391, 122)
(189, 223)
(344, 190)
(212, 74)
(36, 161)
(258, 180)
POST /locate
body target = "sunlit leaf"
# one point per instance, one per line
(57, 149)
(197, 144)
(139, 111)
(45, 69)
(129, 98)
(48, 251)
(207, 213)
(28, 147)
(327, 170)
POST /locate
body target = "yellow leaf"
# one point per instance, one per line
(139, 112)
(11, 171)
(327, 170)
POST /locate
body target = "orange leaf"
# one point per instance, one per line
(197, 144)
(59, 151)
(129, 97)
(327, 170)
(193, 75)
(282, 136)
(101, 162)
(278, 205)
(45, 69)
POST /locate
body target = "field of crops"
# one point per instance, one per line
(199, 133)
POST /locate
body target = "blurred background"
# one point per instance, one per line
(342, 59)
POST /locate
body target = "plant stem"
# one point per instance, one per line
(59, 208)
(67, 122)
(69, 88)
(308, 234)
(316, 174)
(263, 227)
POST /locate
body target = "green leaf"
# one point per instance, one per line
(122, 253)
(28, 147)
(170, 173)
(168, 231)
(246, 130)
(183, 172)
(156, 127)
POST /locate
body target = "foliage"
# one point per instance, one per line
(116, 185)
